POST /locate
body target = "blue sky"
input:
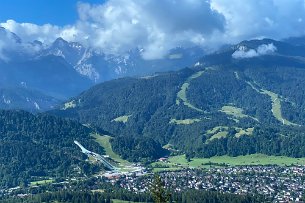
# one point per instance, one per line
(57, 12)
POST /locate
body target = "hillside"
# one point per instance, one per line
(26, 99)
(40, 147)
(241, 100)
(64, 69)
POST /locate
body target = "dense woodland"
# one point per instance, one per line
(193, 196)
(138, 149)
(152, 103)
(144, 114)
(37, 146)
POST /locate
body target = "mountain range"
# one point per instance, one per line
(63, 69)
(244, 99)
(251, 92)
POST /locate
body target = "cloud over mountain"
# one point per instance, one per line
(262, 18)
(9, 42)
(263, 49)
(117, 26)
(45, 33)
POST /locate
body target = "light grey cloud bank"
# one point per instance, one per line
(264, 49)
(117, 26)
(10, 43)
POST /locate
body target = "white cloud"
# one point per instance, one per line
(264, 49)
(116, 26)
(7, 42)
(45, 33)
(11, 44)
(120, 25)
(2, 54)
(247, 19)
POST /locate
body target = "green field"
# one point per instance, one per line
(182, 93)
(41, 182)
(222, 131)
(235, 112)
(104, 141)
(69, 105)
(179, 162)
(184, 122)
(241, 131)
(275, 102)
(219, 135)
(122, 119)
(276, 107)
(217, 132)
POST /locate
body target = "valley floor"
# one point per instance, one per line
(180, 162)
(275, 178)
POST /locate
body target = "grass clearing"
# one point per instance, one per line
(41, 182)
(69, 105)
(182, 93)
(275, 102)
(219, 135)
(241, 131)
(104, 141)
(235, 112)
(253, 87)
(168, 146)
(180, 162)
(184, 122)
(98, 191)
(222, 131)
(217, 132)
(122, 119)
(276, 107)
(196, 75)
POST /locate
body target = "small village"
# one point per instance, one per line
(273, 183)
(277, 184)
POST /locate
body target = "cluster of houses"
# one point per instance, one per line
(277, 184)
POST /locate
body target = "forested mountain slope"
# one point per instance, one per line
(35, 147)
(64, 69)
(26, 99)
(241, 100)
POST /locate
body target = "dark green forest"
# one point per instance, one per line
(191, 196)
(138, 149)
(266, 92)
(35, 147)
